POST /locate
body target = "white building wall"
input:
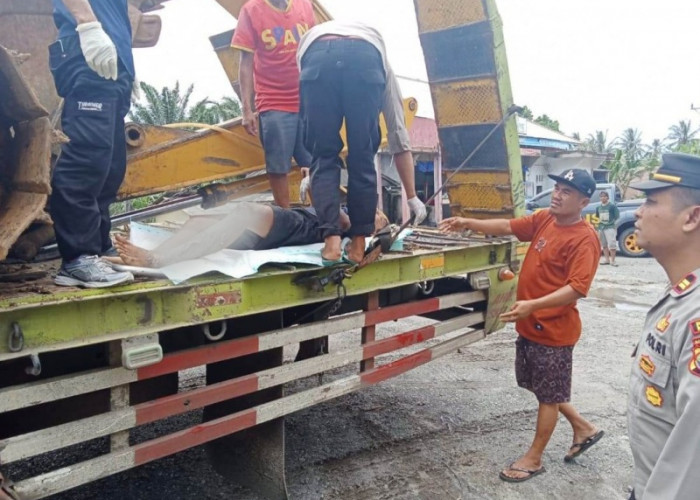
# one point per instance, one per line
(537, 179)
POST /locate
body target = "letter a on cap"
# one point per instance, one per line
(569, 175)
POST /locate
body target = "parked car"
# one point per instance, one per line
(626, 238)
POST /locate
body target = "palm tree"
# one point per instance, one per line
(172, 106)
(598, 142)
(229, 107)
(161, 108)
(632, 159)
(207, 111)
(656, 149)
(681, 134)
(630, 142)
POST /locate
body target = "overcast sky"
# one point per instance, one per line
(591, 64)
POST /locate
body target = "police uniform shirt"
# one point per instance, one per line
(114, 17)
(664, 397)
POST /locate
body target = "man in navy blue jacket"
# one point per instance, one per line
(93, 68)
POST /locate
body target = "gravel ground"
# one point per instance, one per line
(443, 431)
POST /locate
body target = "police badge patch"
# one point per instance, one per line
(663, 324)
(693, 366)
(647, 365)
(695, 326)
(654, 396)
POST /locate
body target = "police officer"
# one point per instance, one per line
(664, 399)
(93, 69)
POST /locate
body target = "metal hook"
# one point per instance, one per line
(15, 342)
(426, 287)
(35, 369)
(218, 336)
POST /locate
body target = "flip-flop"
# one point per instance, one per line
(330, 263)
(605, 263)
(348, 260)
(530, 474)
(583, 446)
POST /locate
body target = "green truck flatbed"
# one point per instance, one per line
(51, 317)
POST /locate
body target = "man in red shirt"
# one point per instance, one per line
(558, 270)
(267, 35)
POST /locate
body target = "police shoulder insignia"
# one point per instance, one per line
(685, 283)
(663, 323)
(695, 326)
(654, 396)
(646, 364)
(694, 364)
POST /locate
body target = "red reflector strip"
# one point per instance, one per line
(194, 436)
(398, 342)
(200, 356)
(395, 368)
(198, 398)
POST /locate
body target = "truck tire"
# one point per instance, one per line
(627, 242)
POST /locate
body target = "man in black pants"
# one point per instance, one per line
(343, 76)
(93, 68)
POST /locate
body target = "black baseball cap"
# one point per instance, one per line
(677, 169)
(578, 179)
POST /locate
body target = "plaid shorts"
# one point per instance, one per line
(544, 370)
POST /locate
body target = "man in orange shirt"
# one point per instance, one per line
(267, 35)
(558, 270)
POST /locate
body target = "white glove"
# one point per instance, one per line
(304, 187)
(418, 209)
(98, 49)
(136, 90)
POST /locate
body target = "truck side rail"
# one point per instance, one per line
(398, 354)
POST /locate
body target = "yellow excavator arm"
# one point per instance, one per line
(159, 158)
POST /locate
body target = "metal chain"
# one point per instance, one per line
(342, 293)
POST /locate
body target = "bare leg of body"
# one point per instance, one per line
(200, 236)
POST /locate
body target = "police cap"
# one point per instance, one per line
(677, 169)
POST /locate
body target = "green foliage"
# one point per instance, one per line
(632, 159)
(691, 148)
(598, 143)
(543, 120)
(526, 113)
(122, 207)
(546, 121)
(172, 106)
(681, 135)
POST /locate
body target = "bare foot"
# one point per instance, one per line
(356, 249)
(522, 468)
(331, 248)
(131, 255)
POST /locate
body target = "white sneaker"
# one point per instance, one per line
(88, 271)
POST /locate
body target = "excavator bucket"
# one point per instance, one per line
(29, 109)
(25, 150)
